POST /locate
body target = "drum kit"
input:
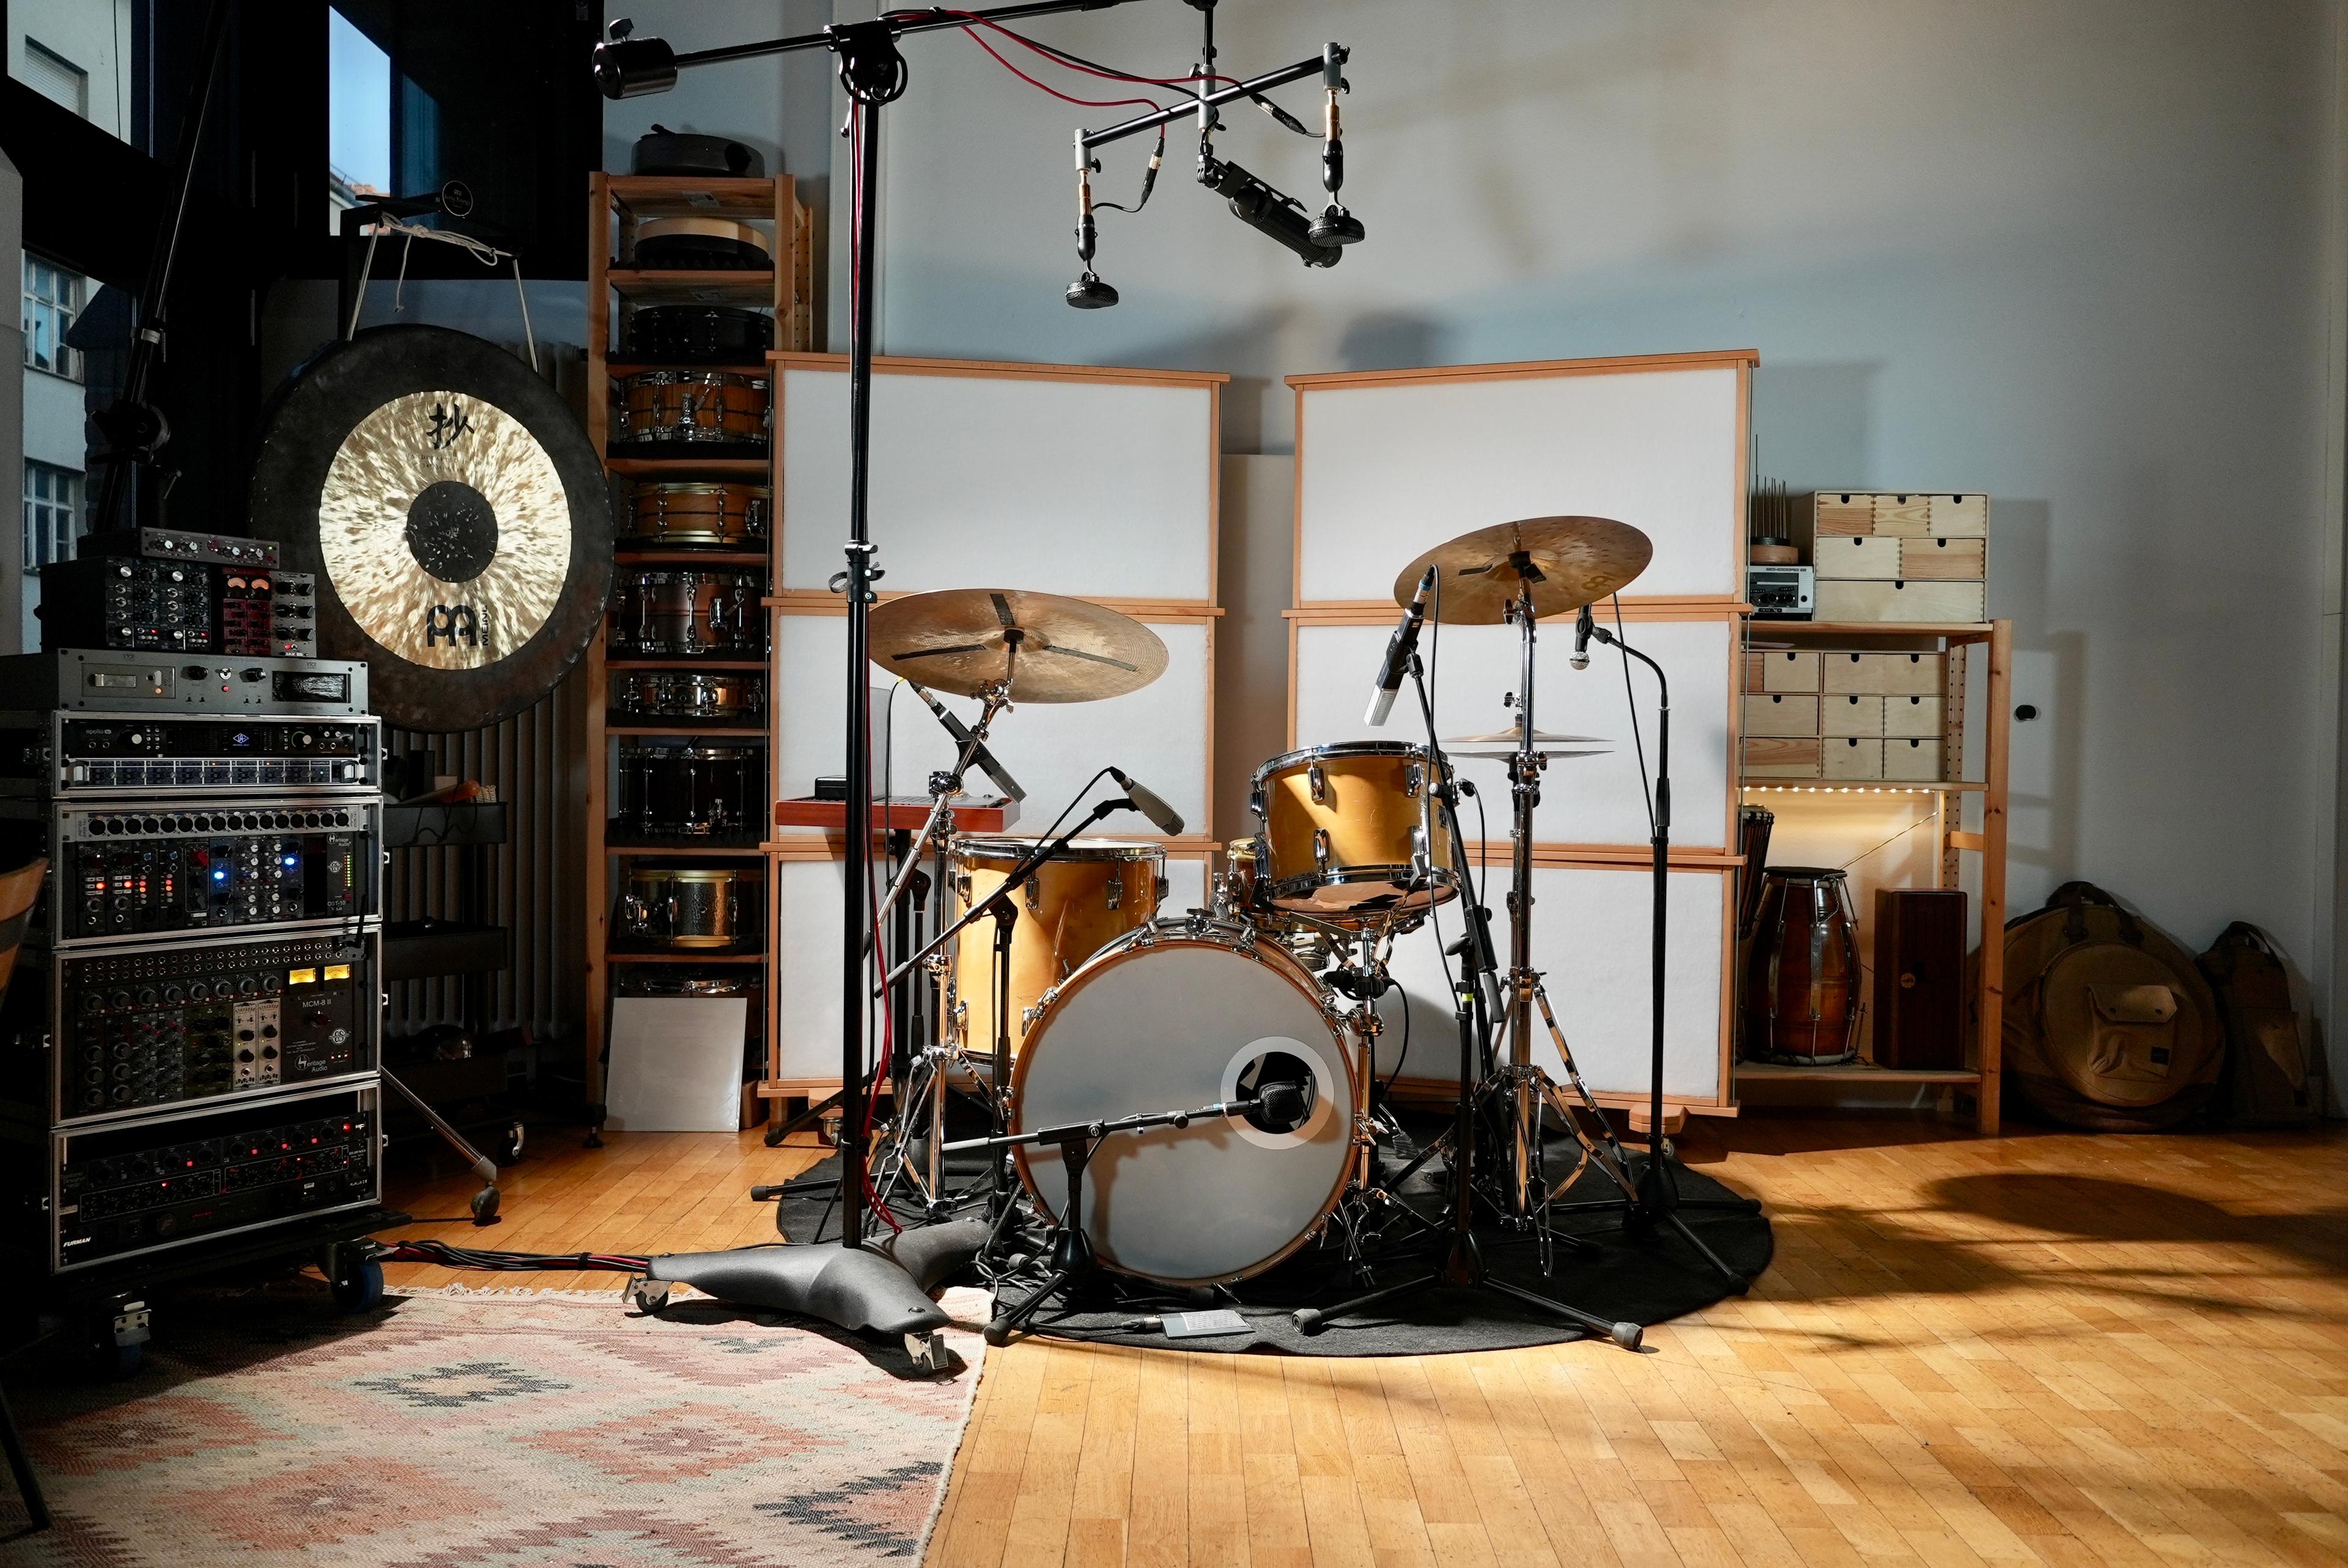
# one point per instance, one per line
(1207, 1079)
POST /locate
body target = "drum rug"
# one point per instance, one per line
(492, 1430)
(1641, 1279)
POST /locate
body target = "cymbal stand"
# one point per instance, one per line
(1655, 1198)
(1462, 1265)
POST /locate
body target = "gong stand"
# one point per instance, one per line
(875, 75)
(1655, 1200)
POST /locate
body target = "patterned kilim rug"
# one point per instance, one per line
(480, 1429)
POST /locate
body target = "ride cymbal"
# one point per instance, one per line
(1045, 647)
(1568, 561)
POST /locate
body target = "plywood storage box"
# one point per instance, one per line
(1888, 556)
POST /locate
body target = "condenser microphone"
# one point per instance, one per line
(1583, 626)
(1267, 212)
(1399, 647)
(961, 734)
(1163, 817)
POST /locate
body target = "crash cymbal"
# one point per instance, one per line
(1569, 561)
(962, 640)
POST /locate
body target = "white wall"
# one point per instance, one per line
(2073, 252)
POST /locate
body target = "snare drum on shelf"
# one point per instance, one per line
(697, 513)
(719, 696)
(690, 907)
(1087, 896)
(709, 412)
(678, 613)
(691, 792)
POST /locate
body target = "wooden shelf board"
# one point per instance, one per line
(681, 467)
(1856, 1073)
(684, 663)
(700, 286)
(614, 956)
(1860, 786)
(729, 731)
(1963, 630)
(673, 195)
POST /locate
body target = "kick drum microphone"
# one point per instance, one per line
(1399, 647)
(961, 734)
(1163, 817)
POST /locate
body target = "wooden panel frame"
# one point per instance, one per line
(1744, 361)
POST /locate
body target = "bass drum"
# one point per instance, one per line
(1175, 1015)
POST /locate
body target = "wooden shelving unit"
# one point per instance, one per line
(616, 203)
(1995, 641)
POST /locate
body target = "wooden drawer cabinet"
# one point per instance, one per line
(1882, 675)
(1915, 760)
(1782, 715)
(1771, 758)
(1912, 717)
(1853, 758)
(1895, 601)
(1862, 558)
(1851, 715)
(1781, 671)
(1938, 559)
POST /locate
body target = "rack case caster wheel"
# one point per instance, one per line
(356, 1279)
(485, 1206)
(929, 1351)
(649, 1295)
(510, 1150)
(117, 1337)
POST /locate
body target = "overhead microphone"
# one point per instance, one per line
(961, 732)
(1163, 817)
(1399, 647)
(1266, 210)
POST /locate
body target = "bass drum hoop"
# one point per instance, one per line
(1161, 936)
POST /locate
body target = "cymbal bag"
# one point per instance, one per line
(2274, 1062)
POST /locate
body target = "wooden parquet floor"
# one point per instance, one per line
(2042, 1348)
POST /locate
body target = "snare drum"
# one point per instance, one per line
(698, 513)
(706, 412)
(723, 696)
(1088, 895)
(690, 906)
(690, 792)
(668, 613)
(1186, 1013)
(1351, 834)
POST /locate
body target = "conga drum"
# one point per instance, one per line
(1801, 976)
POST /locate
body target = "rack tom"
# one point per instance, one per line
(1087, 896)
(1352, 833)
(697, 513)
(703, 413)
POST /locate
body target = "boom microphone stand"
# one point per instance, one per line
(1657, 1200)
(875, 75)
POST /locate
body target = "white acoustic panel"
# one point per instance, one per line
(1591, 939)
(808, 954)
(1388, 470)
(1584, 800)
(1159, 735)
(1098, 488)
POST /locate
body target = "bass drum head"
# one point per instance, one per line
(455, 513)
(1168, 1019)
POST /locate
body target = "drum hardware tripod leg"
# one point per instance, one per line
(1655, 1200)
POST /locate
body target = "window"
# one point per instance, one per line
(52, 513)
(53, 76)
(52, 301)
(358, 118)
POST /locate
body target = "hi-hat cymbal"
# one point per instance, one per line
(1568, 561)
(1541, 738)
(1045, 647)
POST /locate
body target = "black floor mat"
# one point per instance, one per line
(1645, 1277)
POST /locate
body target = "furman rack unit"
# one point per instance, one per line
(191, 1045)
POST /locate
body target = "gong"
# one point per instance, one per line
(455, 513)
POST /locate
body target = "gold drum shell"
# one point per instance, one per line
(1349, 834)
(1088, 896)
